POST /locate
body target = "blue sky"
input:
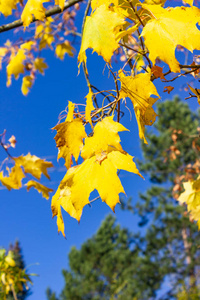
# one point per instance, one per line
(27, 216)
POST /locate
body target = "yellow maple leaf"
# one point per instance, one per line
(46, 40)
(33, 165)
(96, 3)
(153, 2)
(28, 45)
(139, 89)
(39, 187)
(70, 113)
(191, 196)
(69, 137)
(61, 3)
(15, 66)
(33, 8)
(13, 181)
(104, 139)
(63, 48)
(27, 83)
(100, 33)
(196, 92)
(6, 6)
(168, 28)
(3, 52)
(40, 65)
(89, 106)
(190, 2)
(98, 172)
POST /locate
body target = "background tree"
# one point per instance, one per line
(110, 265)
(14, 278)
(164, 256)
(172, 156)
(19, 262)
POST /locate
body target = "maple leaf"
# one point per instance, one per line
(168, 89)
(158, 72)
(39, 187)
(28, 45)
(139, 89)
(33, 165)
(104, 139)
(191, 196)
(6, 6)
(100, 33)
(89, 106)
(61, 3)
(46, 40)
(40, 65)
(153, 2)
(15, 66)
(96, 3)
(69, 137)
(33, 8)
(3, 52)
(27, 83)
(13, 181)
(196, 92)
(190, 2)
(168, 28)
(63, 48)
(98, 172)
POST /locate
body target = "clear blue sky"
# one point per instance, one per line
(27, 216)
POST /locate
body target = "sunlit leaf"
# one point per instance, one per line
(27, 83)
(39, 187)
(100, 33)
(104, 139)
(139, 89)
(63, 48)
(168, 28)
(89, 106)
(13, 181)
(33, 165)
(33, 8)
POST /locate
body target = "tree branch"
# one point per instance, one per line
(53, 11)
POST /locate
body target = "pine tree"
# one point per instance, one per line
(172, 155)
(19, 260)
(110, 265)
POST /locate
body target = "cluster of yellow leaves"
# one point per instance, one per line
(103, 156)
(35, 9)
(191, 196)
(30, 164)
(12, 278)
(43, 32)
(22, 58)
(164, 29)
(139, 89)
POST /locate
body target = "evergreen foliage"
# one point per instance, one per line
(19, 260)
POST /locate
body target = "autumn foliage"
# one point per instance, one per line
(143, 34)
